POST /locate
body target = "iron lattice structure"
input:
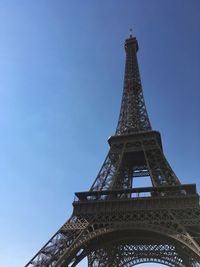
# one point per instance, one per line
(118, 224)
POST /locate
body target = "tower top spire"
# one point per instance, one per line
(131, 33)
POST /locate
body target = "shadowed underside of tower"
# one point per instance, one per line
(117, 224)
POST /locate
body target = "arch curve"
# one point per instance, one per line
(155, 247)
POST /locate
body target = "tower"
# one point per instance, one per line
(117, 224)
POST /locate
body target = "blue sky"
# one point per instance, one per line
(61, 77)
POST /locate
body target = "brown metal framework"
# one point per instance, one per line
(117, 224)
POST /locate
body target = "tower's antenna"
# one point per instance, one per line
(130, 32)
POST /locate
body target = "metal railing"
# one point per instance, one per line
(146, 192)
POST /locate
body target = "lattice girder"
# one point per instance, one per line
(133, 115)
(116, 224)
(76, 238)
(128, 254)
(131, 156)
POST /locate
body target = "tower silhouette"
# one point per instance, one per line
(118, 224)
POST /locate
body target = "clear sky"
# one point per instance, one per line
(61, 77)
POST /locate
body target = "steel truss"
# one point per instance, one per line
(116, 224)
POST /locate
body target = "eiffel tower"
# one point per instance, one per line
(118, 224)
